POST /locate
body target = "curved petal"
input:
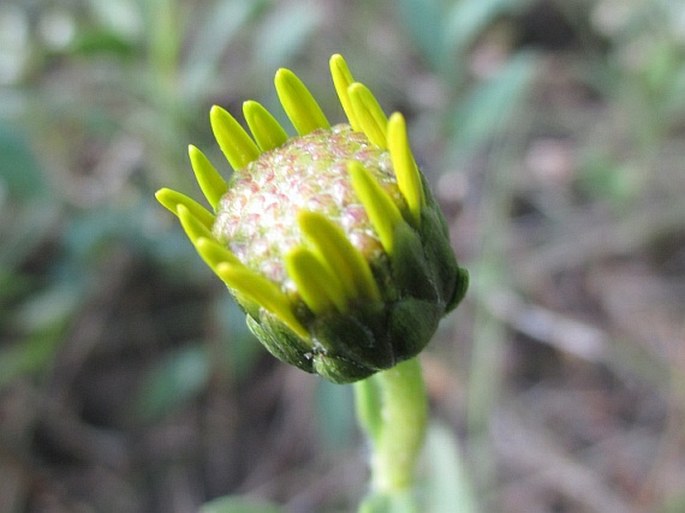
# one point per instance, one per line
(211, 183)
(237, 145)
(369, 114)
(268, 132)
(299, 104)
(406, 170)
(344, 260)
(342, 80)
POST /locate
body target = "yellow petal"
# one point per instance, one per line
(211, 183)
(268, 133)
(298, 103)
(260, 290)
(406, 170)
(237, 145)
(342, 79)
(341, 257)
(318, 286)
(172, 199)
(214, 253)
(382, 211)
(192, 225)
(369, 114)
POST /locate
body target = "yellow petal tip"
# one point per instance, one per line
(266, 130)
(406, 171)
(235, 143)
(211, 183)
(302, 109)
(369, 114)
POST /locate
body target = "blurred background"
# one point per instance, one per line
(553, 134)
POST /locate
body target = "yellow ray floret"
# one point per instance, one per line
(406, 170)
(235, 143)
(214, 253)
(263, 292)
(172, 199)
(191, 225)
(342, 80)
(382, 211)
(268, 132)
(320, 289)
(298, 103)
(211, 183)
(369, 114)
(339, 255)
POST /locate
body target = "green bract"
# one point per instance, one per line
(329, 240)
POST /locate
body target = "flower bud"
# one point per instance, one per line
(330, 240)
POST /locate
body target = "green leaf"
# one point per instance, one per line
(674, 504)
(237, 344)
(91, 43)
(31, 355)
(601, 177)
(20, 173)
(217, 27)
(401, 502)
(490, 106)
(284, 32)
(44, 317)
(468, 19)
(446, 487)
(179, 377)
(334, 409)
(237, 504)
(425, 21)
(31, 224)
(122, 17)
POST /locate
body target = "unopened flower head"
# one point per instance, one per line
(329, 240)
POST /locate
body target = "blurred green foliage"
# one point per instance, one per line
(99, 98)
(238, 505)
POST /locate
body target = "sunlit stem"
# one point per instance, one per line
(392, 408)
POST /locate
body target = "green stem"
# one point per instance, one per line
(392, 409)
